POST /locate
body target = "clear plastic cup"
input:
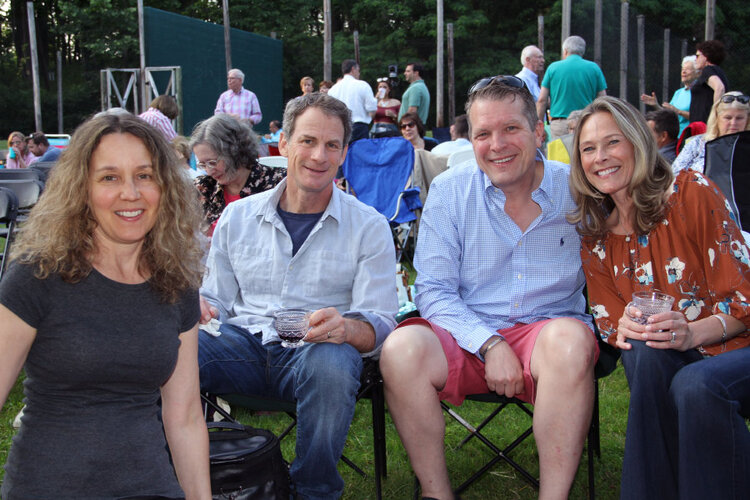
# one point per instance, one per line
(650, 303)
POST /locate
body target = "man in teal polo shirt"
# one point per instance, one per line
(417, 97)
(569, 85)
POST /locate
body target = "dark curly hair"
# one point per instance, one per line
(713, 50)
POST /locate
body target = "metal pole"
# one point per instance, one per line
(565, 30)
(142, 73)
(227, 36)
(665, 70)
(683, 50)
(328, 40)
(598, 32)
(59, 94)
(641, 27)
(451, 76)
(440, 118)
(356, 46)
(540, 32)
(710, 19)
(624, 50)
(34, 67)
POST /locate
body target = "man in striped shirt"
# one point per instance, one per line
(238, 101)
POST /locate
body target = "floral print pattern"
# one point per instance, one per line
(697, 255)
(261, 178)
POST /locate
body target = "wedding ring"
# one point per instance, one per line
(329, 336)
(674, 335)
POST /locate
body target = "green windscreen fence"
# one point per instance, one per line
(198, 47)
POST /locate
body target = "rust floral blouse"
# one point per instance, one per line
(261, 178)
(696, 254)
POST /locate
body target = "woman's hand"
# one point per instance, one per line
(650, 100)
(669, 330)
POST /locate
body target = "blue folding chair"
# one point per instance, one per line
(379, 172)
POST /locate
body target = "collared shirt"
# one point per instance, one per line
(416, 95)
(572, 83)
(29, 158)
(477, 272)
(669, 151)
(531, 80)
(358, 97)
(244, 103)
(448, 147)
(157, 119)
(348, 262)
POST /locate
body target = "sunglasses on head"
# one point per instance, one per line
(728, 98)
(408, 125)
(383, 79)
(509, 80)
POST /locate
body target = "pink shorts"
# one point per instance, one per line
(466, 371)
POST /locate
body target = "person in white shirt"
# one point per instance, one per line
(358, 97)
(459, 138)
(532, 59)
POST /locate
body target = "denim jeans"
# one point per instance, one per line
(682, 406)
(322, 378)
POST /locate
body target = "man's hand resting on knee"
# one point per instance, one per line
(503, 371)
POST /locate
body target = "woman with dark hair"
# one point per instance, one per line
(687, 368)
(228, 151)
(413, 131)
(160, 114)
(712, 82)
(100, 308)
(384, 122)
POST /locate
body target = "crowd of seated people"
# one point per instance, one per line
(507, 243)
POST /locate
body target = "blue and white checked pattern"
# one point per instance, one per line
(245, 105)
(476, 271)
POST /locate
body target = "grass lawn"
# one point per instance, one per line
(501, 483)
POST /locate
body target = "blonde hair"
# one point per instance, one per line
(59, 238)
(712, 127)
(652, 175)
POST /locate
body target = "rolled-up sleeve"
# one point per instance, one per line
(374, 297)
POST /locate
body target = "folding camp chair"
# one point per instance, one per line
(371, 387)
(606, 364)
(379, 171)
(726, 163)
(42, 168)
(27, 192)
(8, 213)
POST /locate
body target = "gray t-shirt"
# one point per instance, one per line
(92, 427)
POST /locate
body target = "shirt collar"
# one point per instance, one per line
(542, 195)
(269, 212)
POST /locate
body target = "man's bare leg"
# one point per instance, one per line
(414, 368)
(562, 364)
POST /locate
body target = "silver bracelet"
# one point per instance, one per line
(723, 326)
(492, 344)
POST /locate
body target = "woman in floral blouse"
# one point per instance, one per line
(688, 369)
(228, 151)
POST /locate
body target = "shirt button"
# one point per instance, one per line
(515, 305)
(520, 276)
(520, 243)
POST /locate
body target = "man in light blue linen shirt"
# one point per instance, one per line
(532, 59)
(499, 285)
(303, 244)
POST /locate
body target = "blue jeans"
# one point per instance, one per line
(322, 378)
(680, 403)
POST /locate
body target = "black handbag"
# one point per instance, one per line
(246, 463)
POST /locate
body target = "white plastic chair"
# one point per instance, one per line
(460, 157)
(273, 161)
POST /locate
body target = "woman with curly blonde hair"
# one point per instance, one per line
(644, 230)
(100, 307)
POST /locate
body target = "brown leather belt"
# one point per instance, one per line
(557, 118)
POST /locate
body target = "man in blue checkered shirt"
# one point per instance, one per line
(499, 287)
